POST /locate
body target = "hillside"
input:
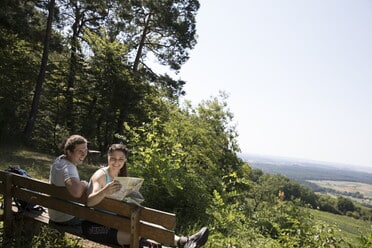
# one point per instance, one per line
(349, 229)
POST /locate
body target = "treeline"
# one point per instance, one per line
(80, 67)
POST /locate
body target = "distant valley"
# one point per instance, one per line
(326, 178)
(301, 170)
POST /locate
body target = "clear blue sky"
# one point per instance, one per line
(298, 74)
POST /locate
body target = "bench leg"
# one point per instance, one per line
(134, 226)
(26, 228)
(22, 232)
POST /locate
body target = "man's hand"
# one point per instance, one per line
(76, 187)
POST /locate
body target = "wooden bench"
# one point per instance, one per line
(138, 221)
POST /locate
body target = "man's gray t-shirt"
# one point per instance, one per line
(61, 171)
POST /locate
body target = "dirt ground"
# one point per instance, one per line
(88, 243)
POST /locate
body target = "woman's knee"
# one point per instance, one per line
(123, 238)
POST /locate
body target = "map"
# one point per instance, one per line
(129, 191)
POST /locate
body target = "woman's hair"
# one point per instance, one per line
(70, 143)
(122, 148)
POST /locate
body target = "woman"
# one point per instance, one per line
(102, 185)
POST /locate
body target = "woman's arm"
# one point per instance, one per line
(98, 189)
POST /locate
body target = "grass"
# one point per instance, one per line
(350, 229)
(38, 164)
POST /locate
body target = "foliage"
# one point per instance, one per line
(182, 157)
(366, 241)
(18, 66)
(276, 224)
(344, 205)
(165, 29)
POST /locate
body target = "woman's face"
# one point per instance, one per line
(116, 160)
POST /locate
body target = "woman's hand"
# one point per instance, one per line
(112, 187)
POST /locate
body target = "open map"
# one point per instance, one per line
(129, 191)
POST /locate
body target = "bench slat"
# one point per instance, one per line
(155, 232)
(46, 188)
(165, 219)
(72, 208)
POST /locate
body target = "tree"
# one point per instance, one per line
(112, 92)
(18, 67)
(345, 205)
(41, 76)
(78, 16)
(21, 28)
(164, 28)
(22, 18)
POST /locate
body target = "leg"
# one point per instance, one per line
(123, 238)
(196, 240)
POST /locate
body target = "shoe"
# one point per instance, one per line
(196, 240)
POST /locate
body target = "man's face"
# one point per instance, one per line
(78, 155)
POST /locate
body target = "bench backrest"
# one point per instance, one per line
(139, 221)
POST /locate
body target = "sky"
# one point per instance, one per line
(298, 74)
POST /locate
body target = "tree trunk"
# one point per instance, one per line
(141, 44)
(72, 74)
(41, 77)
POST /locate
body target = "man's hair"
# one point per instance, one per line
(70, 143)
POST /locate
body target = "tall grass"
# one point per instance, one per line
(350, 229)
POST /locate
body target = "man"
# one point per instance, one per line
(64, 173)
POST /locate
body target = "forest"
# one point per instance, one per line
(84, 67)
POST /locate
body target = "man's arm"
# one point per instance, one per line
(76, 187)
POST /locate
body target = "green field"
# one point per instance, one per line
(350, 187)
(349, 228)
(346, 186)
